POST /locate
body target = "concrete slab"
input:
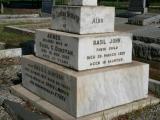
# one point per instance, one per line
(58, 114)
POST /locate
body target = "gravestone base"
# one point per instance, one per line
(145, 19)
(57, 114)
(86, 92)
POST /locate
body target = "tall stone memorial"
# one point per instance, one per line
(81, 65)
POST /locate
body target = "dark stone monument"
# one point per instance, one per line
(47, 7)
(138, 6)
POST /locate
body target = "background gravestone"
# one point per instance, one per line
(47, 6)
(137, 6)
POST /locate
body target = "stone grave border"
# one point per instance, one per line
(10, 16)
(10, 53)
(33, 20)
(154, 86)
(23, 31)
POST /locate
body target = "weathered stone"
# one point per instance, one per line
(145, 19)
(83, 19)
(18, 112)
(154, 86)
(148, 34)
(146, 50)
(86, 92)
(83, 52)
(83, 2)
(10, 53)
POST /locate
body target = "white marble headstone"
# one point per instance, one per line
(83, 52)
(86, 92)
(83, 19)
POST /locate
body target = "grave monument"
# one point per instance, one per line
(138, 6)
(81, 65)
(47, 7)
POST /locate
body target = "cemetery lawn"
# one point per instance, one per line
(11, 39)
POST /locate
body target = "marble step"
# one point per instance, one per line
(86, 92)
(82, 52)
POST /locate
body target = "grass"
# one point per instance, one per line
(20, 11)
(11, 39)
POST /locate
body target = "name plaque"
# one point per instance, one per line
(83, 52)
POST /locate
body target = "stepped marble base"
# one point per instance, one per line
(86, 92)
(57, 114)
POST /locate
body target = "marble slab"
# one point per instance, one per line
(83, 19)
(83, 2)
(83, 52)
(86, 92)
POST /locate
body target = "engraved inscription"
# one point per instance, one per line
(48, 81)
(66, 14)
(97, 20)
(85, 52)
